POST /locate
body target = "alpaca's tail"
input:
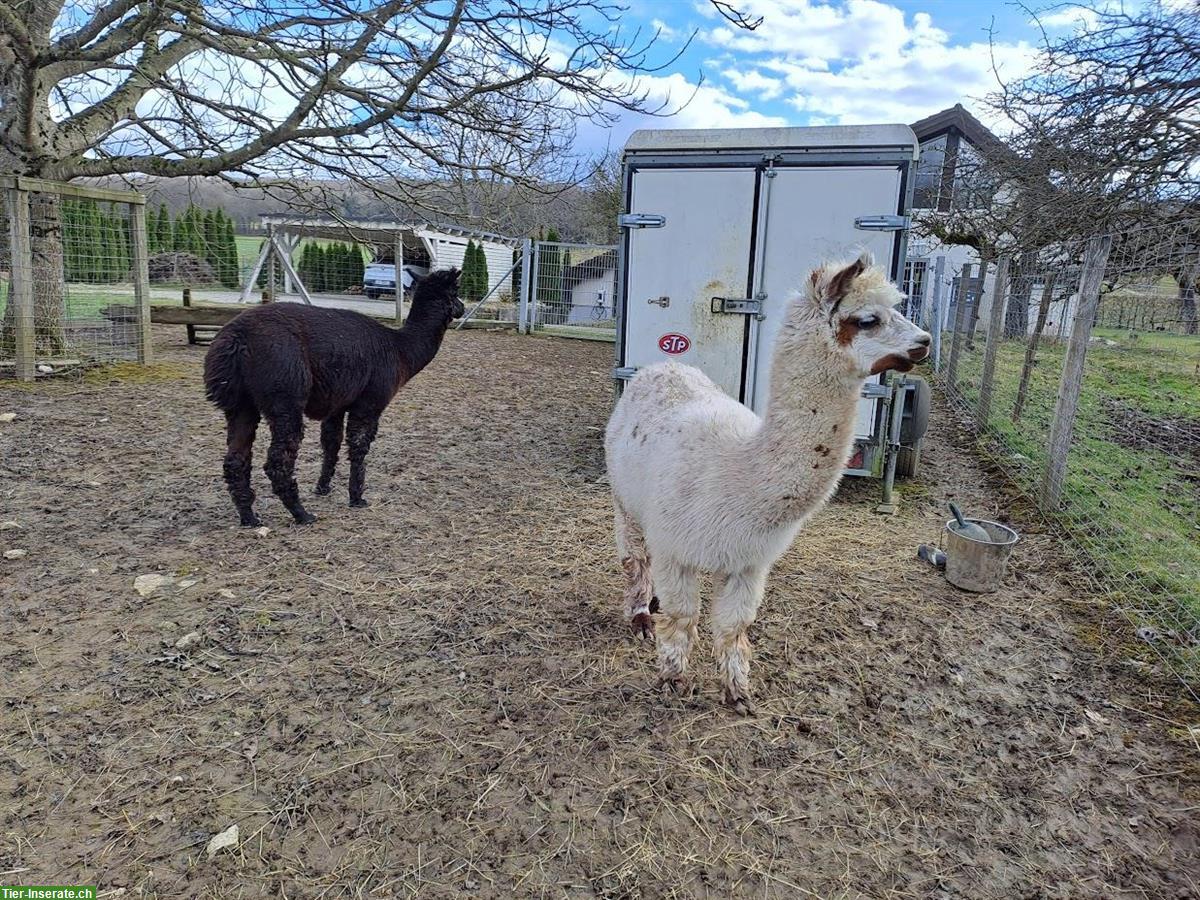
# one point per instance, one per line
(224, 368)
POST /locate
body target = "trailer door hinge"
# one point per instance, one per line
(624, 372)
(883, 223)
(747, 306)
(875, 390)
(641, 220)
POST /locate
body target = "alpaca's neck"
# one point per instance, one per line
(796, 457)
(418, 341)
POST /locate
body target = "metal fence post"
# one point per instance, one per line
(523, 300)
(141, 282)
(398, 261)
(1069, 385)
(533, 285)
(20, 283)
(960, 315)
(939, 311)
(995, 333)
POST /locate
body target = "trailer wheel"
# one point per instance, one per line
(915, 419)
(908, 460)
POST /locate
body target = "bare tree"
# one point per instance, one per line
(1110, 116)
(378, 91)
(1102, 135)
(602, 199)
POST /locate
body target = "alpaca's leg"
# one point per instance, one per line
(631, 550)
(287, 430)
(735, 607)
(240, 426)
(360, 432)
(678, 590)
(331, 445)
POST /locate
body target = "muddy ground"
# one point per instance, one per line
(436, 696)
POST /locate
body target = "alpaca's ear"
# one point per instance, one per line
(839, 284)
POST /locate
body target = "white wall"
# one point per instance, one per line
(956, 257)
(1058, 320)
(585, 294)
(451, 250)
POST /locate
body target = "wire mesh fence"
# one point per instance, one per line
(574, 287)
(75, 286)
(1080, 369)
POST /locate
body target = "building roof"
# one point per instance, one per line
(590, 268)
(377, 232)
(958, 119)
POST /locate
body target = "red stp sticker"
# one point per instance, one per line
(674, 343)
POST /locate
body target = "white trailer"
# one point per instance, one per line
(721, 226)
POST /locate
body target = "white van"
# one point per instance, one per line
(379, 279)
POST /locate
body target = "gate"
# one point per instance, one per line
(573, 289)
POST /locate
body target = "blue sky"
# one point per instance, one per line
(822, 62)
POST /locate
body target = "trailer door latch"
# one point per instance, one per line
(747, 306)
(883, 223)
(641, 220)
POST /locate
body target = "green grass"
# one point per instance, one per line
(1132, 488)
(85, 301)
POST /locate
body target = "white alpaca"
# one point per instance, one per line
(701, 483)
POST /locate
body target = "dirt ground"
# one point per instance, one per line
(436, 696)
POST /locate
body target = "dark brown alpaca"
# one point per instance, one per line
(285, 361)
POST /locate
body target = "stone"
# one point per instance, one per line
(223, 840)
(146, 585)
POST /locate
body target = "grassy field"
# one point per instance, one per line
(248, 248)
(86, 300)
(1132, 490)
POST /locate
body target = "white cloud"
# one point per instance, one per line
(679, 103)
(706, 106)
(755, 82)
(665, 31)
(1079, 17)
(859, 61)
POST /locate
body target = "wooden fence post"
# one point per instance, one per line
(141, 283)
(982, 278)
(191, 329)
(995, 334)
(1071, 383)
(20, 283)
(960, 315)
(1032, 345)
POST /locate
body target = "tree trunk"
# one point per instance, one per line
(49, 300)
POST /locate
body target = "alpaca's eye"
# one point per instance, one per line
(868, 322)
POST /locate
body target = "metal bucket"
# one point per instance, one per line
(974, 565)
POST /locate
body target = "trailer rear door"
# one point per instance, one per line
(811, 215)
(701, 250)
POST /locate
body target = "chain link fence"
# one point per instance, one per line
(574, 289)
(1080, 370)
(74, 283)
